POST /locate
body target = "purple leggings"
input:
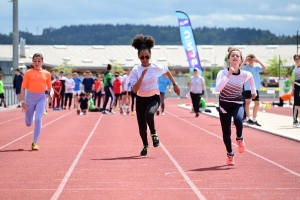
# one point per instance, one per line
(36, 102)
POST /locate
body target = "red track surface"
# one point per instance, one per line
(97, 157)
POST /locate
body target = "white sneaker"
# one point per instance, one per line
(162, 114)
(112, 112)
(296, 124)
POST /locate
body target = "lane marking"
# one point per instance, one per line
(32, 131)
(71, 169)
(182, 172)
(11, 120)
(251, 152)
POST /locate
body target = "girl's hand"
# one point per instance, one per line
(24, 106)
(176, 90)
(144, 72)
(253, 96)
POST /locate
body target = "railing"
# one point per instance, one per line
(10, 95)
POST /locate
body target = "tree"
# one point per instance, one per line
(116, 67)
(66, 68)
(275, 67)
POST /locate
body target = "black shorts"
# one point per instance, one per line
(2, 96)
(124, 93)
(297, 96)
(118, 95)
(47, 92)
(247, 95)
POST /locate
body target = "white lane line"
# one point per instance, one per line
(11, 120)
(182, 172)
(32, 131)
(71, 169)
(255, 154)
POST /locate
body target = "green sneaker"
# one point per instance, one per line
(144, 151)
(155, 140)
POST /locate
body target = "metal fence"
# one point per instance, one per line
(10, 95)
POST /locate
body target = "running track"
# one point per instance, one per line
(97, 157)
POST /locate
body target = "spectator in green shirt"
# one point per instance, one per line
(2, 93)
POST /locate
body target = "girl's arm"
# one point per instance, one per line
(136, 86)
(252, 86)
(221, 81)
(176, 88)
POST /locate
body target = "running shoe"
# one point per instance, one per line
(65, 108)
(230, 160)
(162, 114)
(144, 150)
(241, 146)
(256, 123)
(249, 121)
(18, 106)
(197, 114)
(78, 112)
(298, 126)
(157, 112)
(84, 112)
(34, 146)
(295, 124)
(155, 140)
(45, 113)
(59, 108)
(112, 112)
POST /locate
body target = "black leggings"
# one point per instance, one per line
(97, 97)
(70, 97)
(227, 111)
(145, 110)
(162, 101)
(195, 101)
(133, 96)
(109, 93)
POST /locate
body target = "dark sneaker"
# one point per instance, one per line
(144, 151)
(157, 113)
(78, 112)
(250, 122)
(197, 114)
(255, 123)
(18, 106)
(155, 140)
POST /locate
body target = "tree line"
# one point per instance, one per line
(107, 34)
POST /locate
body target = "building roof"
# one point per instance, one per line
(98, 56)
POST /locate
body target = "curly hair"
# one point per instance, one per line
(141, 42)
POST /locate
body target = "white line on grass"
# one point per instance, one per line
(182, 172)
(32, 131)
(71, 169)
(255, 154)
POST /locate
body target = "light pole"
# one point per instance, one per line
(15, 35)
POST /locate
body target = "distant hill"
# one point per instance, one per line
(107, 34)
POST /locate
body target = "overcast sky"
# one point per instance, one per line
(280, 17)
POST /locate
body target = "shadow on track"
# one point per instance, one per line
(215, 168)
(125, 158)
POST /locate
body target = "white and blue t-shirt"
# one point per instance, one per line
(150, 79)
(163, 83)
(255, 71)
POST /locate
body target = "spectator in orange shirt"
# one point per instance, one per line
(35, 81)
(282, 98)
(97, 90)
